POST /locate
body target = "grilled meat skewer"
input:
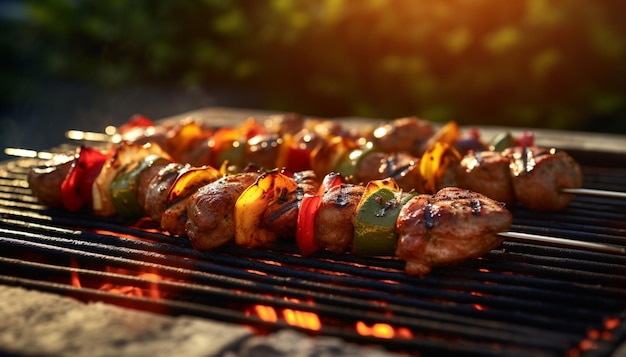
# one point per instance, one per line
(392, 149)
(208, 212)
(532, 176)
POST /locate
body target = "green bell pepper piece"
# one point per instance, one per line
(123, 189)
(375, 225)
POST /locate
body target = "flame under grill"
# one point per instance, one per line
(522, 299)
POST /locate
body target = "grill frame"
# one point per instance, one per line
(437, 309)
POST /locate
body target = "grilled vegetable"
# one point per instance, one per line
(375, 224)
(190, 180)
(76, 189)
(123, 189)
(348, 163)
(251, 204)
(293, 154)
(305, 231)
(126, 154)
(434, 166)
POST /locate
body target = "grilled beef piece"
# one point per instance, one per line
(448, 227)
(45, 181)
(174, 218)
(289, 123)
(211, 210)
(334, 222)
(402, 167)
(403, 134)
(281, 216)
(263, 150)
(539, 174)
(143, 183)
(486, 172)
(154, 200)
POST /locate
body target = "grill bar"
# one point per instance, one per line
(110, 259)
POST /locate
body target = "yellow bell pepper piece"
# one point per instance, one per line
(434, 162)
(252, 203)
(376, 185)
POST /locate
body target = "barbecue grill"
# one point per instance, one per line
(523, 298)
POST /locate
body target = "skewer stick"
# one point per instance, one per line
(598, 193)
(29, 153)
(535, 238)
(93, 136)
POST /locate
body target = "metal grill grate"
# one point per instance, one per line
(520, 299)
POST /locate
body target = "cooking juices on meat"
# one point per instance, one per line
(387, 194)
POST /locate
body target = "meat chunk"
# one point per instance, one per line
(143, 183)
(154, 202)
(174, 218)
(539, 174)
(402, 167)
(45, 181)
(263, 150)
(487, 172)
(448, 227)
(334, 222)
(211, 210)
(403, 134)
(289, 123)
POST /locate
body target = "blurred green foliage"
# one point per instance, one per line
(540, 63)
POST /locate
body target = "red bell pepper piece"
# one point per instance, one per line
(136, 121)
(330, 180)
(294, 155)
(76, 189)
(305, 231)
(526, 139)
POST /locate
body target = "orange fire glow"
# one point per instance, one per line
(266, 313)
(74, 280)
(304, 319)
(152, 291)
(611, 323)
(594, 335)
(383, 330)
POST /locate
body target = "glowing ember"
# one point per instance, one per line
(152, 291)
(304, 319)
(479, 307)
(74, 280)
(611, 323)
(382, 330)
(266, 313)
(587, 344)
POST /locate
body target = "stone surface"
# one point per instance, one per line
(289, 343)
(34, 323)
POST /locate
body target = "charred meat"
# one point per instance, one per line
(210, 211)
(539, 174)
(448, 227)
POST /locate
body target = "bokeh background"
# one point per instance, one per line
(85, 64)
